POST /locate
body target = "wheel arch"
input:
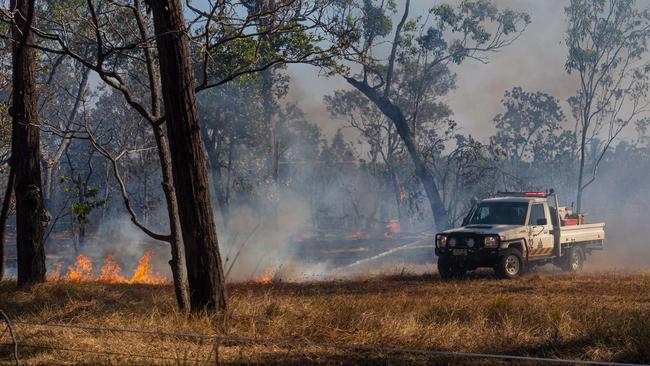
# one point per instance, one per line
(520, 245)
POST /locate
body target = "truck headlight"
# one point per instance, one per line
(491, 241)
(442, 241)
(470, 242)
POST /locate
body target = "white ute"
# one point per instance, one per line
(514, 231)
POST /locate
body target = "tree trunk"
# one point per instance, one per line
(4, 214)
(177, 262)
(270, 120)
(421, 171)
(26, 149)
(581, 168)
(53, 162)
(205, 269)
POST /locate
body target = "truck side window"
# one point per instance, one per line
(536, 213)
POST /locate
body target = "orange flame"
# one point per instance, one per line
(392, 227)
(55, 274)
(111, 271)
(144, 273)
(82, 271)
(358, 235)
(266, 278)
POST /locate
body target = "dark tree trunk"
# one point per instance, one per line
(4, 214)
(177, 262)
(26, 149)
(421, 170)
(204, 266)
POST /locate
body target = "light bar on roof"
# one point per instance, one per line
(535, 194)
(525, 194)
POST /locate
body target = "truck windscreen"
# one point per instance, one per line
(500, 213)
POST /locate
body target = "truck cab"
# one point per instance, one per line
(514, 231)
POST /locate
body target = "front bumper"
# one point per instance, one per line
(471, 257)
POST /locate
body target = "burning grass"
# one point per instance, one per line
(597, 316)
(110, 272)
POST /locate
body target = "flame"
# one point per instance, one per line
(82, 271)
(266, 278)
(144, 273)
(55, 274)
(111, 271)
(358, 235)
(392, 227)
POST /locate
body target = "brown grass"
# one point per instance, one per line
(596, 316)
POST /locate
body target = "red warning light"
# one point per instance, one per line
(535, 194)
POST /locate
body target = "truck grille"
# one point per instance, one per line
(464, 241)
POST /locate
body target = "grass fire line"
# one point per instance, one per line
(110, 272)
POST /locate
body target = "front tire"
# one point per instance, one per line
(448, 269)
(574, 260)
(511, 264)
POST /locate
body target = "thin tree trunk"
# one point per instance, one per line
(53, 162)
(397, 190)
(421, 171)
(271, 121)
(177, 262)
(26, 149)
(4, 214)
(205, 269)
(581, 168)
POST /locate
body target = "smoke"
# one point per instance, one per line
(620, 197)
(257, 237)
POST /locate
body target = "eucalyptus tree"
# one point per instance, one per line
(531, 131)
(607, 42)
(25, 151)
(423, 49)
(122, 45)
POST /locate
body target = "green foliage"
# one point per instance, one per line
(376, 20)
(617, 29)
(532, 121)
(86, 199)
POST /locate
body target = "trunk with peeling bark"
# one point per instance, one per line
(394, 113)
(26, 149)
(204, 266)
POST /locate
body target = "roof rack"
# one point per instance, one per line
(540, 194)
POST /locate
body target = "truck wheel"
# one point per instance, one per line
(574, 260)
(510, 264)
(448, 269)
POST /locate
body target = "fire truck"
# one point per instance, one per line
(515, 231)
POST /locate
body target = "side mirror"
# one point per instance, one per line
(541, 222)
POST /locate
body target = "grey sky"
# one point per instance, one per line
(535, 62)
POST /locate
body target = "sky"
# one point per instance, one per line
(535, 62)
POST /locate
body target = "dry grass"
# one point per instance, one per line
(596, 316)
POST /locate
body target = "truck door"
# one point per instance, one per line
(540, 231)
